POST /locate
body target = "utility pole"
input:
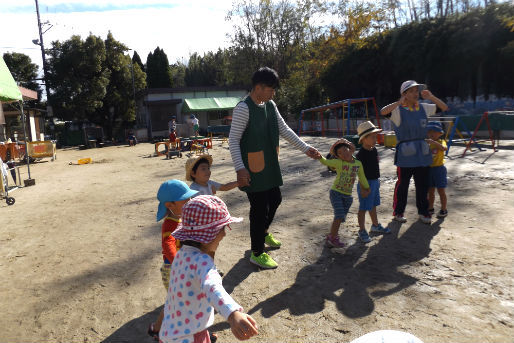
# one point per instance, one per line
(49, 112)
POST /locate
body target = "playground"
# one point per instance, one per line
(81, 253)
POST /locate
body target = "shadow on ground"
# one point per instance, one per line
(134, 330)
(353, 279)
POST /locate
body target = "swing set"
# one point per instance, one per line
(337, 118)
(492, 121)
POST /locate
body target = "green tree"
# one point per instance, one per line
(463, 56)
(94, 80)
(158, 71)
(119, 108)
(178, 74)
(23, 70)
(137, 59)
(77, 77)
(211, 69)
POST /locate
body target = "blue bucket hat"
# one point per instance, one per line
(435, 126)
(172, 190)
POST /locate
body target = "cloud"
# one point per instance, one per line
(60, 6)
(179, 27)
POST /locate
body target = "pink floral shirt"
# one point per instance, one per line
(195, 291)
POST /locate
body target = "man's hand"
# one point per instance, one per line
(243, 177)
(365, 192)
(313, 153)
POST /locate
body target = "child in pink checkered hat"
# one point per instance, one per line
(195, 289)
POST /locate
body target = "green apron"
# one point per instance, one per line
(259, 147)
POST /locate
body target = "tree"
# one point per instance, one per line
(158, 71)
(178, 74)
(118, 109)
(461, 56)
(209, 70)
(271, 32)
(137, 59)
(23, 70)
(76, 77)
(94, 80)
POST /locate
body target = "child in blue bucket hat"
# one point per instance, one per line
(172, 196)
(437, 173)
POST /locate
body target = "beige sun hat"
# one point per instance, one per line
(190, 163)
(366, 128)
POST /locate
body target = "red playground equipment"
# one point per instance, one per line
(338, 118)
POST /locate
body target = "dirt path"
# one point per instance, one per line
(81, 254)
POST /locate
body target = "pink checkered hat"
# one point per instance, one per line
(203, 217)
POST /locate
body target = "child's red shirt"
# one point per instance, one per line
(170, 245)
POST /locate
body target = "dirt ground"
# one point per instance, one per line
(80, 253)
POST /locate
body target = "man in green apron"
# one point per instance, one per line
(254, 144)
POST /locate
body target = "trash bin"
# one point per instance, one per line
(389, 140)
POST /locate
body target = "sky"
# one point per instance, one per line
(179, 27)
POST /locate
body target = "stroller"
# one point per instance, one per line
(4, 183)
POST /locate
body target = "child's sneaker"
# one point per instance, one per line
(431, 211)
(363, 236)
(400, 218)
(272, 241)
(425, 219)
(264, 261)
(380, 229)
(442, 214)
(334, 242)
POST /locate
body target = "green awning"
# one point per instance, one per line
(8, 89)
(209, 104)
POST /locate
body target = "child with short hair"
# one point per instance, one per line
(368, 156)
(172, 126)
(348, 169)
(195, 289)
(172, 196)
(198, 170)
(437, 173)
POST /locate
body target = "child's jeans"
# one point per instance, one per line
(341, 204)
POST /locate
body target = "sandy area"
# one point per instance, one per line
(81, 254)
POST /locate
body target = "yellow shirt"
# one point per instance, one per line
(437, 155)
(347, 172)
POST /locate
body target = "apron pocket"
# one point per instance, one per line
(256, 161)
(425, 148)
(408, 149)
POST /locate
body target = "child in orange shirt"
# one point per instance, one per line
(172, 196)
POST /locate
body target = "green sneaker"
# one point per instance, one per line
(271, 241)
(264, 261)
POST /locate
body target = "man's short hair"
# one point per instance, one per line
(267, 77)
